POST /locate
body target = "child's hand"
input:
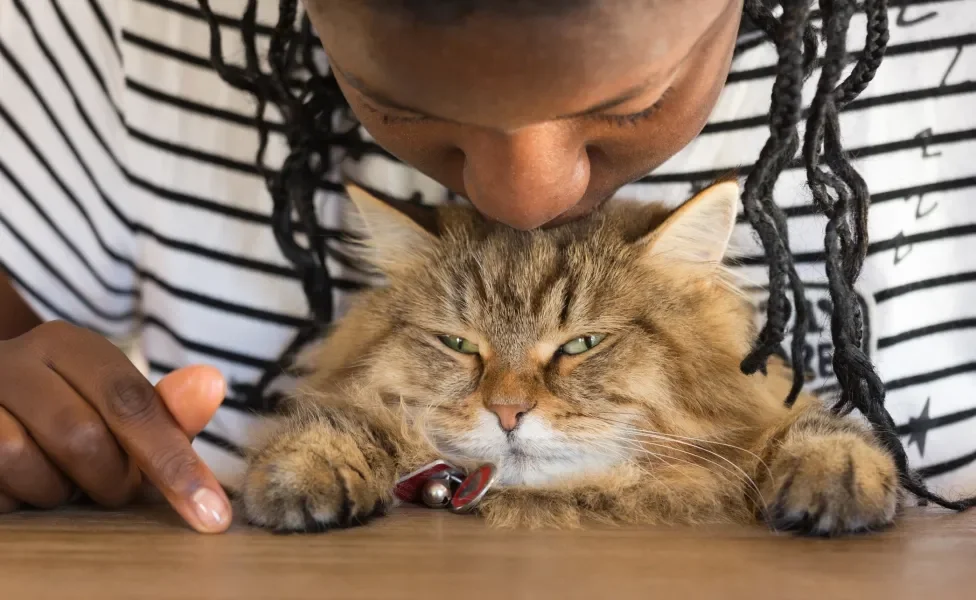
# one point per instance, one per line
(75, 413)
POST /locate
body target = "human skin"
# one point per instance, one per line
(536, 119)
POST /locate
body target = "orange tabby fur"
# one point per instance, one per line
(655, 424)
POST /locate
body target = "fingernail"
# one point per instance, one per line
(218, 387)
(212, 511)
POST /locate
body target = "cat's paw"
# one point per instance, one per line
(831, 484)
(312, 484)
(530, 508)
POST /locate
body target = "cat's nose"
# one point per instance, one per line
(509, 415)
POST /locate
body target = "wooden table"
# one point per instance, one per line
(418, 553)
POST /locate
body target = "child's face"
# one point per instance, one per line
(535, 119)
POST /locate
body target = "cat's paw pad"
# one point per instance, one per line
(304, 491)
(831, 485)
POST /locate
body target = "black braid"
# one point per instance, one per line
(838, 191)
(788, 34)
(311, 106)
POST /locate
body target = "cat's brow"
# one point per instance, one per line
(569, 294)
(478, 280)
(556, 278)
(649, 328)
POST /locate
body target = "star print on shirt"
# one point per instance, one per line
(917, 428)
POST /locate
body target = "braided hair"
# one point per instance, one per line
(320, 129)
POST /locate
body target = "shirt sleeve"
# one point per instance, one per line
(66, 239)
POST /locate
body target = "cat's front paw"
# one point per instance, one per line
(831, 484)
(312, 484)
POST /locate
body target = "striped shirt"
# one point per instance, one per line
(130, 203)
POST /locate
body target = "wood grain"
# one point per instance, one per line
(415, 553)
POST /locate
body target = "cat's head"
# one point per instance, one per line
(545, 351)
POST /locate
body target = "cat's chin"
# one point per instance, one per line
(534, 455)
(537, 472)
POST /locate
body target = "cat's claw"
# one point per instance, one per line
(290, 493)
(833, 486)
(316, 523)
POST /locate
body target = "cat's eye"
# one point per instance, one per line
(458, 344)
(581, 344)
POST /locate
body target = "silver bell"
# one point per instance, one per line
(436, 493)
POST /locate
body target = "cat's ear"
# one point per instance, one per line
(700, 230)
(392, 237)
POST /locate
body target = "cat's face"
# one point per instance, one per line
(545, 352)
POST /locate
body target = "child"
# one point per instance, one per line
(133, 204)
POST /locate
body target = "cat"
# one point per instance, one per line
(596, 364)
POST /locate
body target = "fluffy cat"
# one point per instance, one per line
(596, 364)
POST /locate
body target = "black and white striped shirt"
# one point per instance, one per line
(130, 203)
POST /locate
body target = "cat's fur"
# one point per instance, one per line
(656, 424)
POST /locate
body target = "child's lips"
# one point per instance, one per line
(583, 208)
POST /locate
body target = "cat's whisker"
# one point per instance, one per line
(618, 452)
(634, 429)
(608, 449)
(736, 470)
(695, 441)
(751, 486)
(662, 457)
